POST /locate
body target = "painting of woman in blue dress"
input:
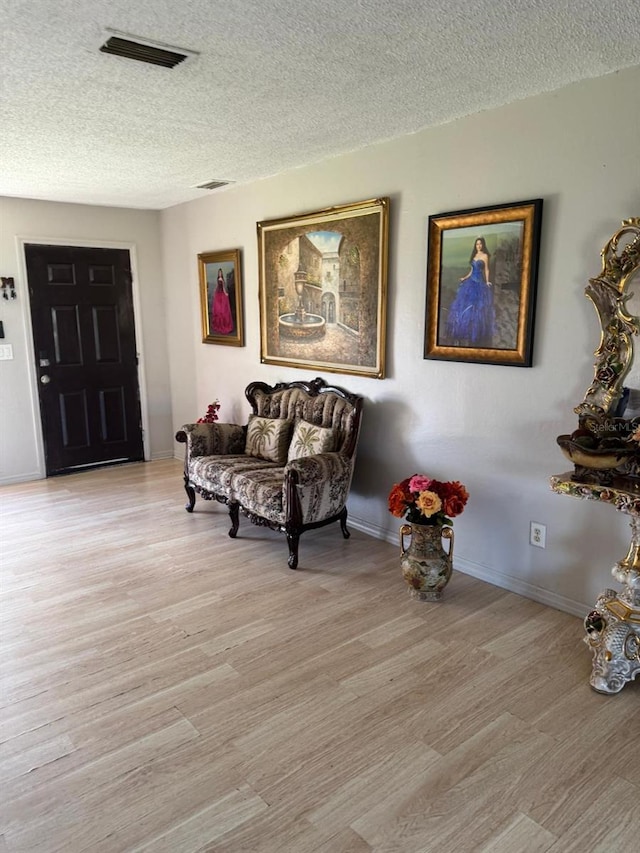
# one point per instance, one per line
(471, 320)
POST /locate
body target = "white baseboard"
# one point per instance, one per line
(484, 573)
(38, 475)
(21, 478)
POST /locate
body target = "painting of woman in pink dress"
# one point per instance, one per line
(221, 297)
(221, 316)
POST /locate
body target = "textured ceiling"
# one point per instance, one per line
(276, 85)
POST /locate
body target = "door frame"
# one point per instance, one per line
(28, 329)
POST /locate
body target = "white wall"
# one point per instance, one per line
(21, 456)
(492, 427)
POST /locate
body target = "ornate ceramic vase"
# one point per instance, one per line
(426, 566)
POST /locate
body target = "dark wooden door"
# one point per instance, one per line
(85, 348)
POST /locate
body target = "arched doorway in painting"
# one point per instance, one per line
(329, 307)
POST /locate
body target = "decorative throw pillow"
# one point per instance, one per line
(268, 438)
(309, 439)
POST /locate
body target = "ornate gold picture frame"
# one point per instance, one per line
(482, 270)
(323, 289)
(221, 298)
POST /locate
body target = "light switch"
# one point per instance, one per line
(6, 352)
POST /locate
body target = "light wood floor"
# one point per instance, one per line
(166, 688)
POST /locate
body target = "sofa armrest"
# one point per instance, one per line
(317, 487)
(212, 439)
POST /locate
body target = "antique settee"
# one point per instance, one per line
(289, 468)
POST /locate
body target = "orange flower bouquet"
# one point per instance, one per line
(422, 500)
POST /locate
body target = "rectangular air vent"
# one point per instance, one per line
(143, 50)
(213, 185)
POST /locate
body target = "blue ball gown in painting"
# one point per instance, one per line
(471, 317)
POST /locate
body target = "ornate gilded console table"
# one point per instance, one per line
(613, 626)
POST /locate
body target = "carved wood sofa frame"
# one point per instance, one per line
(305, 493)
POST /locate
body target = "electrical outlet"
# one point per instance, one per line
(538, 535)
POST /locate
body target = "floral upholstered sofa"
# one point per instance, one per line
(289, 467)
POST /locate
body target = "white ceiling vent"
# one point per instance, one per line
(144, 50)
(213, 185)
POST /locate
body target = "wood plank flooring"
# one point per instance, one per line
(166, 688)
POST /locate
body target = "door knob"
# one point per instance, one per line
(45, 379)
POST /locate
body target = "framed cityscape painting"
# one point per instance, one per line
(323, 289)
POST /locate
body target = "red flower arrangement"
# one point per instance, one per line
(212, 414)
(422, 500)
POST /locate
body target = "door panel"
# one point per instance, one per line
(74, 419)
(84, 335)
(113, 421)
(65, 325)
(106, 339)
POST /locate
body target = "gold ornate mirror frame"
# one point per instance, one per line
(603, 446)
(610, 292)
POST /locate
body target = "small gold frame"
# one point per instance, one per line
(221, 302)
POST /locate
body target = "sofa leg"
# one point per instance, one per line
(293, 539)
(234, 515)
(191, 494)
(343, 523)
